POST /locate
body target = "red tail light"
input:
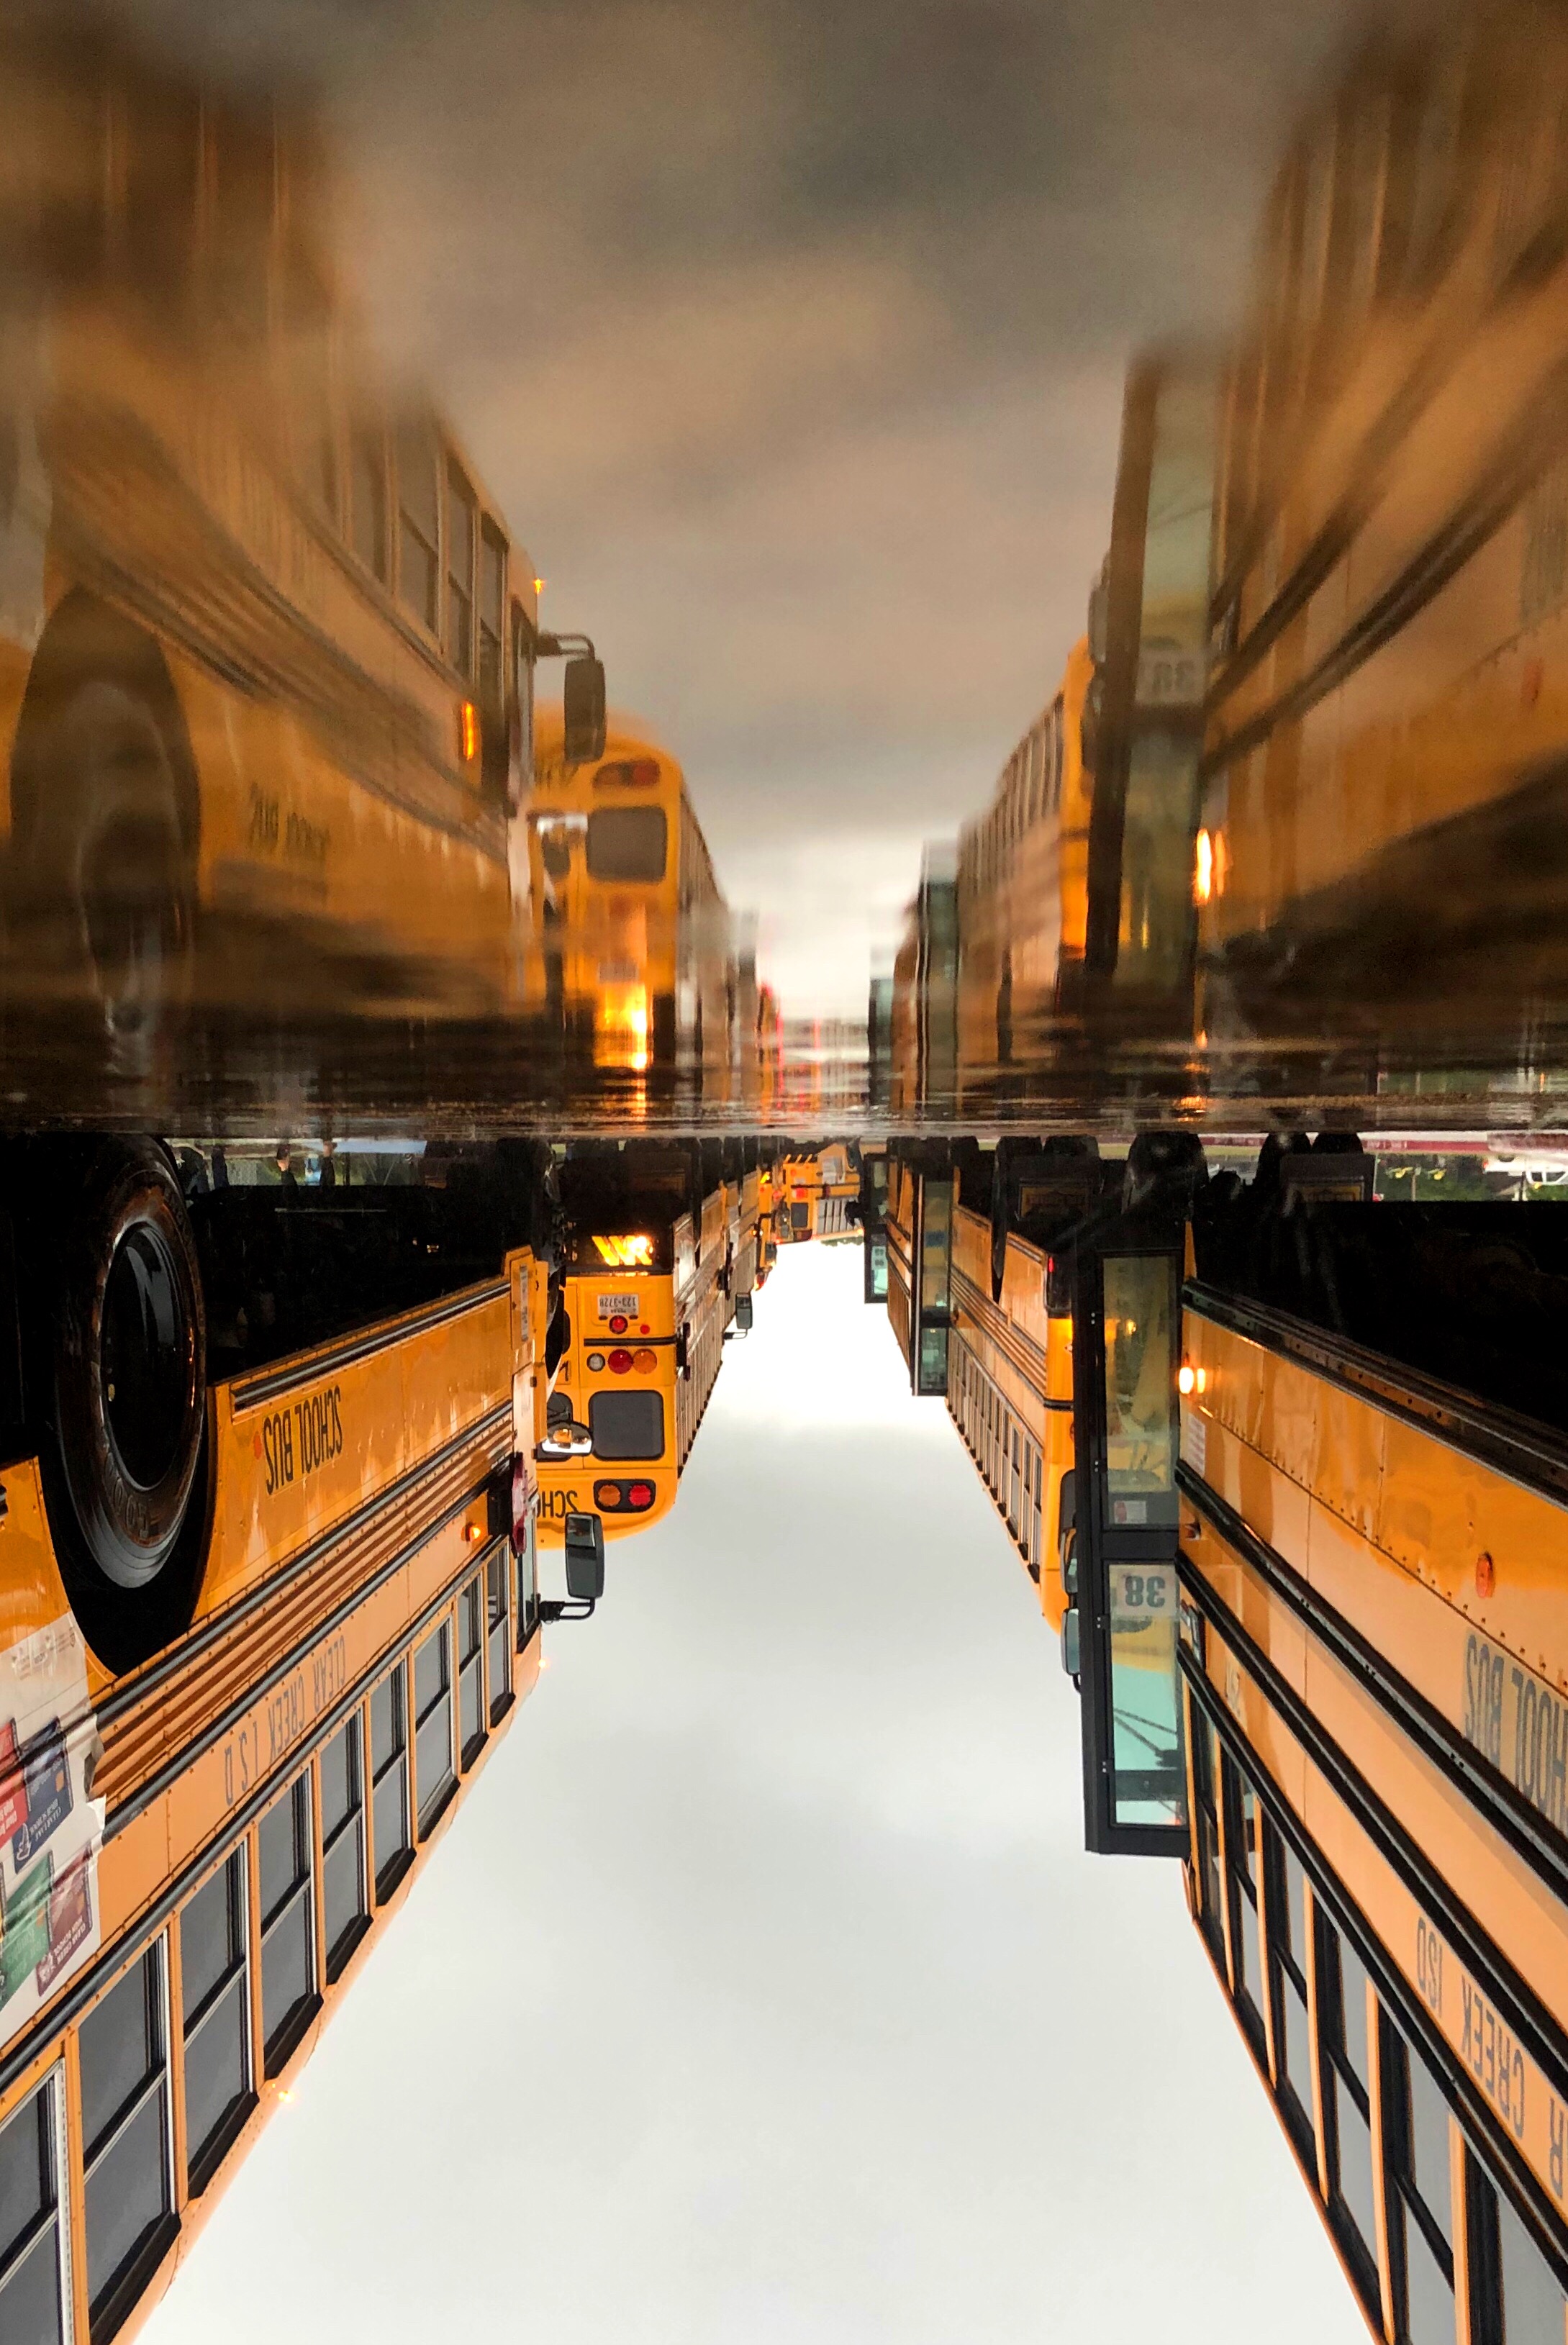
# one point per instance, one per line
(620, 1362)
(639, 1495)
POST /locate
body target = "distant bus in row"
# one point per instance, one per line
(664, 1254)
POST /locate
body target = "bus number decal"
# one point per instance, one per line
(298, 1440)
(556, 1505)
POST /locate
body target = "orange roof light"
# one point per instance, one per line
(1186, 1378)
(468, 732)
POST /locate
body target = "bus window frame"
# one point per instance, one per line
(49, 2094)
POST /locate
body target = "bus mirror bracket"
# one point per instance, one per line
(583, 1537)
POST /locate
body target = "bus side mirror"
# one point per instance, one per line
(1070, 1658)
(583, 696)
(583, 1538)
(585, 1559)
(743, 1314)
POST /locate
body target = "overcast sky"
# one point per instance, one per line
(761, 1992)
(790, 336)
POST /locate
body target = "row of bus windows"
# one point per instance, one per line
(1456, 2250)
(233, 2001)
(451, 560)
(1007, 1454)
(1030, 789)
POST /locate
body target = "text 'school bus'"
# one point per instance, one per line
(1384, 761)
(661, 1256)
(266, 1595)
(631, 949)
(981, 1307)
(266, 647)
(1351, 1487)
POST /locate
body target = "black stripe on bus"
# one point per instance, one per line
(1526, 2015)
(1484, 2135)
(1503, 1806)
(199, 1641)
(142, 1798)
(1534, 1455)
(1535, 440)
(18, 2056)
(251, 1391)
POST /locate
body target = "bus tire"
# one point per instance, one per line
(119, 1362)
(102, 875)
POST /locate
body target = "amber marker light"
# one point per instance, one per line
(473, 1533)
(468, 732)
(643, 1360)
(1186, 1378)
(1203, 869)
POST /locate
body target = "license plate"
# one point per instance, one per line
(617, 1306)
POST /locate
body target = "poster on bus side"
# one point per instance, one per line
(51, 1833)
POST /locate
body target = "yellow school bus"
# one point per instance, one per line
(1324, 1488)
(1022, 879)
(1387, 715)
(630, 946)
(816, 1190)
(267, 645)
(979, 1299)
(267, 1598)
(662, 1256)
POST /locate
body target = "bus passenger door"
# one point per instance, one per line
(1127, 1333)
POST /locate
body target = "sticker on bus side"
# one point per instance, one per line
(617, 1306)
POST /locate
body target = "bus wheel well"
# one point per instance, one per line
(87, 640)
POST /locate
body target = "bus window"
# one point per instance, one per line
(1140, 1390)
(389, 1782)
(215, 2015)
(491, 610)
(342, 1845)
(461, 519)
(499, 1660)
(432, 1725)
(1532, 2299)
(470, 1673)
(1342, 2004)
(1418, 2200)
(367, 493)
(418, 574)
(125, 2132)
(627, 844)
(627, 1424)
(523, 686)
(30, 2238)
(288, 1927)
(318, 454)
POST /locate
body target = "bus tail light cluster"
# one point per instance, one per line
(620, 1362)
(623, 1497)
